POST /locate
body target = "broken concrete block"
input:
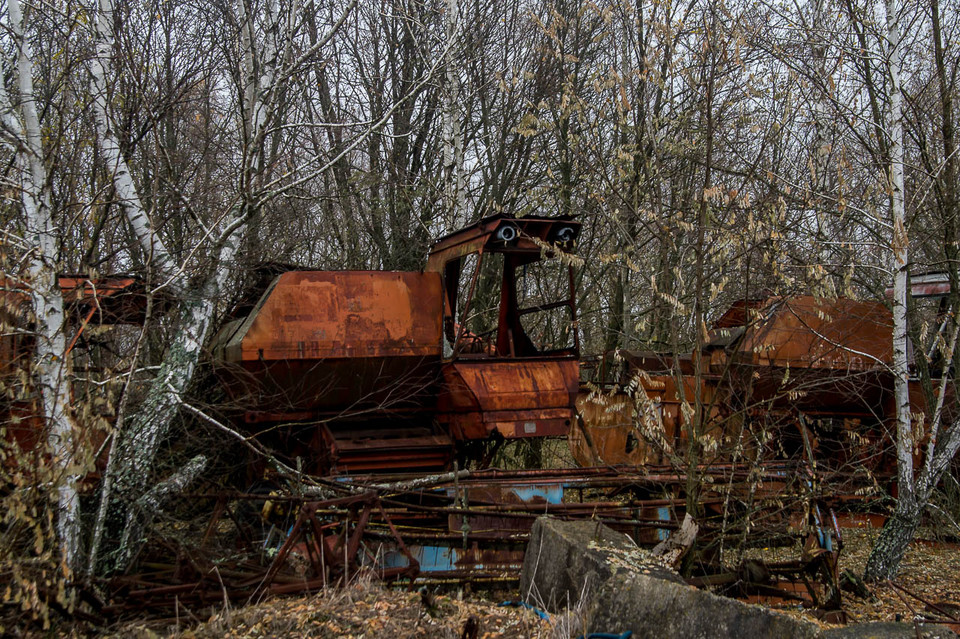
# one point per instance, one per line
(651, 607)
(621, 587)
(566, 562)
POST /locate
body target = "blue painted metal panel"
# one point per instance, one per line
(449, 559)
(552, 494)
(430, 558)
(663, 514)
(549, 493)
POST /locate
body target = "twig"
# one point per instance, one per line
(282, 468)
(922, 600)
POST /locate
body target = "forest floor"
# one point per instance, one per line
(366, 609)
(930, 570)
(929, 573)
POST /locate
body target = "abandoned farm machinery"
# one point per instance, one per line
(393, 392)
(371, 371)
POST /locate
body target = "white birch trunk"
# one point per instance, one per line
(886, 555)
(134, 452)
(819, 150)
(150, 243)
(49, 362)
(942, 443)
(258, 93)
(123, 182)
(136, 449)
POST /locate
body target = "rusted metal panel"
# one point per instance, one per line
(510, 424)
(544, 422)
(294, 390)
(501, 493)
(808, 332)
(528, 235)
(342, 314)
(23, 437)
(357, 450)
(115, 300)
(934, 284)
(23, 426)
(437, 561)
(606, 433)
(738, 314)
(118, 300)
(331, 340)
(518, 398)
(100, 301)
(522, 384)
(616, 429)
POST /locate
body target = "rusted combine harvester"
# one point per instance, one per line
(797, 377)
(357, 371)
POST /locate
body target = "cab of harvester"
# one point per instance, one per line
(510, 345)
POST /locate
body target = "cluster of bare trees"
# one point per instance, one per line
(715, 149)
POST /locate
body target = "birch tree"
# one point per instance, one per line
(22, 129)
(914, 485)
(865, 95)
(135, 445)
(266, 43)
(453, 178)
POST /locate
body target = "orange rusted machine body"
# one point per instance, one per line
(357, 371)
(503, 382)
(322, 341)
(812, 372)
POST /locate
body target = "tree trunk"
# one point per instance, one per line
(885, 557)
(49, 360)
(697, 423)
(137, 446)
(452, 134)
(888, 551)
(126, 190)
(141, 514)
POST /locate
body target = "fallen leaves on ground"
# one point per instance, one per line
(930, 570)
(363, 610)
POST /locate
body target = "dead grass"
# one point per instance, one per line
(364, 609)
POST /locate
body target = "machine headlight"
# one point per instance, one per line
(564, 234)
(507, 233)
